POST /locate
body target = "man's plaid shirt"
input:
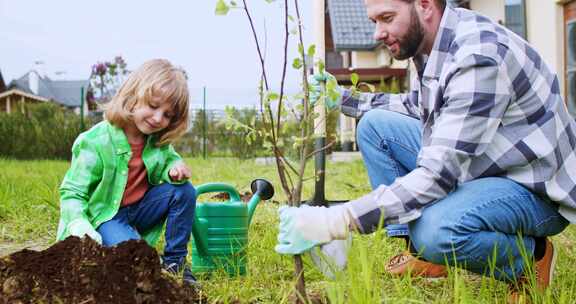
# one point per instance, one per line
(489, 106)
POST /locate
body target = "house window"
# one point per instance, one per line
(571, 66)
(515, 14)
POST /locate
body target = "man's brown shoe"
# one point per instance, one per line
(543, 272)
(405, 263)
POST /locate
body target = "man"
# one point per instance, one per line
(476, 159)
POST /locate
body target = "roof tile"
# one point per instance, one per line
(351, 28)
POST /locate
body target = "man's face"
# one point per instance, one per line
(397, 26)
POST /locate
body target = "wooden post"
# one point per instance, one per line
(8, 109)
(319, 7)
(320, 107)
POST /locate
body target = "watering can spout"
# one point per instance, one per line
(262, 190)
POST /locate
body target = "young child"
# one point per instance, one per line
(125, 180)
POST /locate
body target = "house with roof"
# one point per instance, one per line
(2, 84)
(350, 48)
(549, 26)
(34, 88)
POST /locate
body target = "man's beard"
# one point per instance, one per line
(408, 46)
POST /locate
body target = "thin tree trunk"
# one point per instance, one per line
(301, 296)
(292, 191)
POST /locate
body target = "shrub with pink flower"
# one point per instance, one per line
(106, 78)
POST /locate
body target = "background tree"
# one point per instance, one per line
(106, 78)
(221, 140)
(242, 143)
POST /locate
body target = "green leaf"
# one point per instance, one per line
(290, 18)
(300, 49)
(272, 96)
(333, 94)
(311, 51)
(331, 85)
(354, 79)
(320, 65)
(299, 107)
(267, 145)
(233, 3)
(229, 111)
(297, 63)
(221, 8)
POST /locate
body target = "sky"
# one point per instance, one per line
(217, 52)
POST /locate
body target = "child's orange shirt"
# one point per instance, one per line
(137, 183)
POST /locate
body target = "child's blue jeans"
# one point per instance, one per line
(173, 204)
(484, 221)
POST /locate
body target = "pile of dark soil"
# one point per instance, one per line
(81, 271)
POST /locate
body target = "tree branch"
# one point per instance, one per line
(320, 150)
(280, 99)
(263, 65)
(257, 44)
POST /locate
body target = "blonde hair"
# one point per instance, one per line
(154, 78)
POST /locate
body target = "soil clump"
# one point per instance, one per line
(81, 271)
(224, 196)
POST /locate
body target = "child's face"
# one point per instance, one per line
(154, 116)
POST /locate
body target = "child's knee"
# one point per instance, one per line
(186, 192)
(190, 190)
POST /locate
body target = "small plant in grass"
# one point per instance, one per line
(276, 108)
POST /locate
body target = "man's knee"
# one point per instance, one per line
(382, 123)
(373, 118)
(432, 238)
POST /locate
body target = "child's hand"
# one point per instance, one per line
(180, 172)
(81, 228)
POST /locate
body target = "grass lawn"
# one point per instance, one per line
(29, 216)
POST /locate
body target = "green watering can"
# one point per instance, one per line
(220, 230)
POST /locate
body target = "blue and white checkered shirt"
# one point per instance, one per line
(489, 106)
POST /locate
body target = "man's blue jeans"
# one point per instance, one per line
(485, 221)
(173, 204)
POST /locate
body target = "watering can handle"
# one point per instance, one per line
(218, 187)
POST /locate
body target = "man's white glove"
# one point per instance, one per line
(332, 256)
(305, 227)
(81, 227)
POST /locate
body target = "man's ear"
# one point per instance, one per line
(425, 3)
(426, 8)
